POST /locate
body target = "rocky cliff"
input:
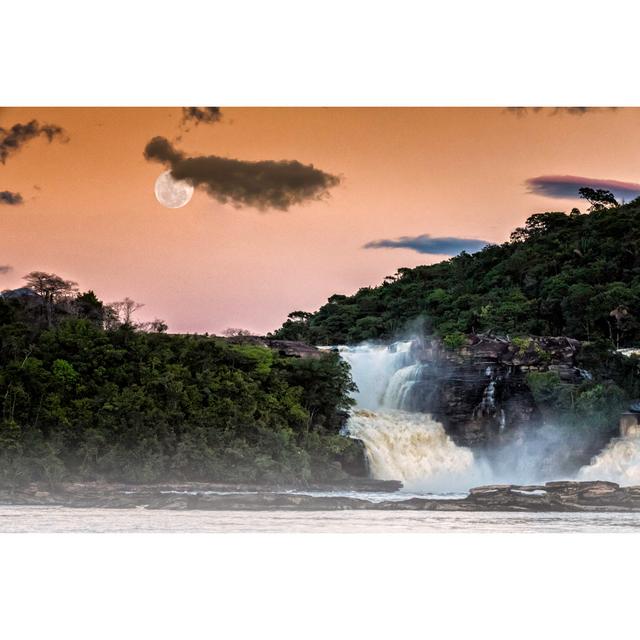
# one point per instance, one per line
(290, 348)
(479, 390)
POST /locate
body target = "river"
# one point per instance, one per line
(400, 444)
(19, 519)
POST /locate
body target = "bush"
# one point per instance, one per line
(454, 341)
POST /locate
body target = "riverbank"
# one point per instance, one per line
(561, 496)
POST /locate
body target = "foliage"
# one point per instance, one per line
(549, 391)
(454, 340)
(522, 344)
(598, 198)
(590, 406)
(81, 402)
(559, 274)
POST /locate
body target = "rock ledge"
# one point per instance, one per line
(560, 496)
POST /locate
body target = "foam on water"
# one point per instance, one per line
(401, 445)
(415, 449)
(618, 462)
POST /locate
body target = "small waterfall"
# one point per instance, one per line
(618, 462)
(584, 374)
(373, 367)
(400, 445)
(398, 392)
(487, 406)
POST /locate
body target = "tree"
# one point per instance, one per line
(124, 310)
(51, 288)
(623, 322)
(598, 198)
(233, 332)
(539, 224)
(299, 316)
(110, 317)
(155, 326)
(89, 307)
(296, 326)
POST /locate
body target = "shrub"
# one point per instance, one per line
(454, 341)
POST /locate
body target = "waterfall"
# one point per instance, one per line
(413, 448)
(398, 392)
(373, 367)
(618, 462)
(401, 445)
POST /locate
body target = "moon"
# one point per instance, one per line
(172, 193)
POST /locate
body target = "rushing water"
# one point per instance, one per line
(619, 462)
(64, 520)
(413, 447)
(400, 444)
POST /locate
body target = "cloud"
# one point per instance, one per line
(5, 268)
(207, 115)
(11, 140)
(554, 111)
(264, 184)
(11, 198)
(426, 244)
(566, 187)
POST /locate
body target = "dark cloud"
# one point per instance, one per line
(11, 198)
(11, 140)
(567, 186)
(5, 268)
(201, 114)
(554, 111)
(264, 184)
(426, 244)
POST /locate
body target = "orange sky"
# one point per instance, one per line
(90, 214)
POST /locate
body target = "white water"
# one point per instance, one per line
(382, 373)
(618, 462)
(410, 447)
(413, 448)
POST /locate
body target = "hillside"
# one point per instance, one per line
(561, 274)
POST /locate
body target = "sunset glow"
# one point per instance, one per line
(84, 206)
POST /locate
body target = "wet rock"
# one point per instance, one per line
(480, 392)
(489, 489)
(359, 484)
(557, 496)
(354, 459)
(560, 496)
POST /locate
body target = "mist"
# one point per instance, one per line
(415, 448)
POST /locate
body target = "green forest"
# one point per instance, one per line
(87, 394)
(560, 274)
(575, 274)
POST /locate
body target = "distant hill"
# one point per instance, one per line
(561, 274)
